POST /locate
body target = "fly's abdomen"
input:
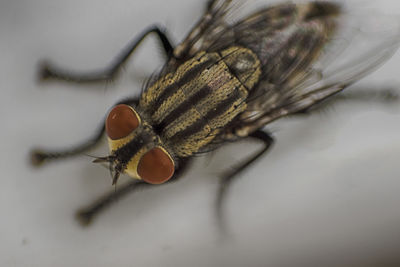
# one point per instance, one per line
(190, 107)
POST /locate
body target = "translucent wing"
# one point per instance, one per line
(307, 51)
(212, 21)
(360, 46)
(210, 25)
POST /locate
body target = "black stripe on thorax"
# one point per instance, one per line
(213, 113)
(183, 107)
(187, 77)
(125, 153)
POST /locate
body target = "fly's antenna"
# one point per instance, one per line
(115, 178)
(108, 159)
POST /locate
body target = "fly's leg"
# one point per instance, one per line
(51, 72)
(228, 177)
(86, 215)
(385, 96)
(39, 156)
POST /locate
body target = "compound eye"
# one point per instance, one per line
(121, 121)
(156, 166)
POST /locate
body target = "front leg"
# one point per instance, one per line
(85, 215)
(39, 156)
(109, 73)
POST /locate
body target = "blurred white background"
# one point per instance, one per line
(327, 194)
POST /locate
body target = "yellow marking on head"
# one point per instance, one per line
(131, 167)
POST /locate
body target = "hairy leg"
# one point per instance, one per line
(39, 156)
(85, 215)
(48, 71)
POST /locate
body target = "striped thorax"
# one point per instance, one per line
(180, 113)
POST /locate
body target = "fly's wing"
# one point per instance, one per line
(287, 39)
(300, 47)
(221, 25)
(213, 20)
(319, 68)
(212, 24)
(308, 52)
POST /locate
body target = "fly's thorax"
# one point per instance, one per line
(244, 64)
(135, 148)
(189, 107)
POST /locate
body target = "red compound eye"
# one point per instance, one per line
(155, 167)
(121, 121)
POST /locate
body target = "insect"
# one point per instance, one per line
(224, 82)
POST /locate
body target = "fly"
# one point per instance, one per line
(224, 82)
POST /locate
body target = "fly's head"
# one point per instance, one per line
(135, 149)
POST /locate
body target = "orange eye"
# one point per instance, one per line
(155, 167)
(121, 121)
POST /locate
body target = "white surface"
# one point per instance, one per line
(326, 195)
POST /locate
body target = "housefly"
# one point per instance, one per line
(224, 82)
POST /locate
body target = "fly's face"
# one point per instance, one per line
(135, 149)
